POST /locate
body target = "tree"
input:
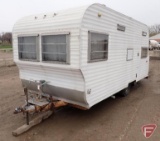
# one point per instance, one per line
(6, 37)
(154, 29)
(0, 38)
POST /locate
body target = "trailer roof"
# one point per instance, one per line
(70, 18)
(64, 17)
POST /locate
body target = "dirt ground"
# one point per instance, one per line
(6, 58)
(117, 119)
(6, 55)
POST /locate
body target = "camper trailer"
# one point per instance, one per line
(81, 56)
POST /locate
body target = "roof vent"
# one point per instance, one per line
(44, 16)
(55, 14)
(35, 18)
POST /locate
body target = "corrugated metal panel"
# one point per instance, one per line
(108, 77)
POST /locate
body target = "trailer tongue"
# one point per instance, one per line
(40, 103)
(36, 103)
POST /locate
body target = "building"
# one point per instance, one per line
(156, 38)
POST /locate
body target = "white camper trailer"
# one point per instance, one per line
(82, 55)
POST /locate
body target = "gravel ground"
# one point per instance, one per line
(117, 119)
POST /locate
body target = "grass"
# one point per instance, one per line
(5, 46)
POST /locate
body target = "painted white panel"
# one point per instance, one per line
(108, 77)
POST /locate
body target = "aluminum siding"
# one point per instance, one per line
(105, 78)
(66, 76)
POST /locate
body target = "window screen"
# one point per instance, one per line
(144, 52)
(98, 46)
(55, 48)
(27, 47)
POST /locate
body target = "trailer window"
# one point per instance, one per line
(144, 52)
(98, 47)
(55, 48)
(27, 48)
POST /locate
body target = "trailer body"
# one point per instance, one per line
(85, 55)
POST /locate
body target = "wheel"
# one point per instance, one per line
(134, 83)
(125, 91)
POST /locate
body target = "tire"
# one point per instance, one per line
(125, 92)
(133, 84)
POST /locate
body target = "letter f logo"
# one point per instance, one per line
(148, 130)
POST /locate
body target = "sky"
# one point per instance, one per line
(145, 11)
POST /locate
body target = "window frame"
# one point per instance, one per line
(143, 57)
(37, 47)
(67, 34)
(89, 47)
